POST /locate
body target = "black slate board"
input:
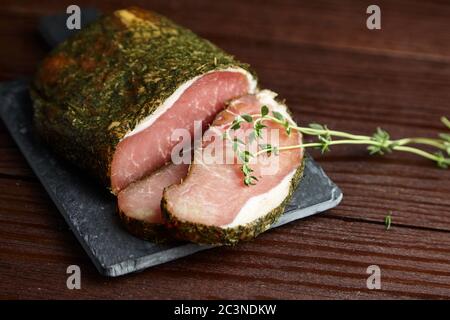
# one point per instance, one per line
(90, 210)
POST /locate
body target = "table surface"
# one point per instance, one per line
(331, 69)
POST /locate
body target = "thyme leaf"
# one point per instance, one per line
(248, 118)
(441, 161)
(388, 221)
(235, 125)
(446, 122)
(264, 111)
(316, 126)
(384, 145)
(278, 115)
(445, 136)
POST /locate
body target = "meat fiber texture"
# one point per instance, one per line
(209, 202)
(139, 204)
(108, 98)
(213, 205)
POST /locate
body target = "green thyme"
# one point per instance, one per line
(388, 221)
(379, 143)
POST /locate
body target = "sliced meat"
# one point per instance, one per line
(149, 146)
(213, 205)
(140, 203)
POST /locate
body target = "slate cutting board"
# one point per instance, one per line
(90, 211)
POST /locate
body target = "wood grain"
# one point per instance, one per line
(331, 69)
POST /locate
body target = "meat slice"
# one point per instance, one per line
(139, 203)
(213, 205)
(148, 147)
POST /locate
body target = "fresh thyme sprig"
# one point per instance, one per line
(239, 148)
(379, 143)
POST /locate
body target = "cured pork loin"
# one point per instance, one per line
(213, 205)
(108, 98)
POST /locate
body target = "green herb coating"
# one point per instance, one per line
(145, 230)
(203, 234)
(99, 84)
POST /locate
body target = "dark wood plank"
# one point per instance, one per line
(326, 23)
(12, 162)
(320, 257)
(323, 23)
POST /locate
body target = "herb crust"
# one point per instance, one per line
(99, 84)
(203, 234)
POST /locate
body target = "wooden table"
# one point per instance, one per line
(320, 56)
